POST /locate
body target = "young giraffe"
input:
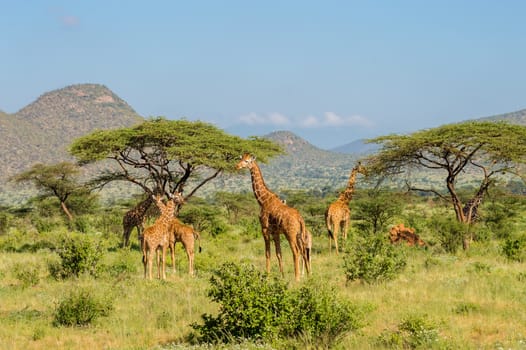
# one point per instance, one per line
(179, 232)
(156, 237)
(338, 214)
(135, 217)
(275, 218)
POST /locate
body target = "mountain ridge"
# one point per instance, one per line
(41, 132)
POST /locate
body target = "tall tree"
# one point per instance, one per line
(56, 180)
(479, 150)
(164, 156)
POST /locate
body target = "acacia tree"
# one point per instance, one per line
(479, 150)
(56, 180)
(164, 156)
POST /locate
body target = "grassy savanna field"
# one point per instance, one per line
(473, 299)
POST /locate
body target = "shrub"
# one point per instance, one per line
(250, 304)
(27, 274)
(375, 209)
(318, 318)
(4, 222)
(253, 306)
(419, 331)
(513, 249)
(414, 332)
(466, 308)
(78, 255)
(374, 260)
(449, 231)
(80, 308)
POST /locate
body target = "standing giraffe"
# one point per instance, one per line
(275, 218)
(338, 214)
(135, 217)
(179, 232)
(156, 237)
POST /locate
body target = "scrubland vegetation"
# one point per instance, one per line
(69, 284)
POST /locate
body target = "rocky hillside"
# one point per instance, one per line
(518, 117)
(42, 131)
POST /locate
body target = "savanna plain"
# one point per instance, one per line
(440, 297)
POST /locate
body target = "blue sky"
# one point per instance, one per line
(330, 71)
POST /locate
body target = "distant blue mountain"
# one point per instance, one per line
(358, 147)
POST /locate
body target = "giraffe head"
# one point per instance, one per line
(167, 209)
(359, 168)
(176, 197)
(247, 160)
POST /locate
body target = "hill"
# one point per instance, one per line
(518, 117)
(42, 131)
(358, 147)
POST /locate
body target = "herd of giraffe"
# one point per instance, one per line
(275, 217)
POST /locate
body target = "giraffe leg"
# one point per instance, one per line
(150, 263)
(190, 255)
(335, 237)
(297, 247)
(277, 244)
(267, 252)
(296, 257)
(172, 255)
(145, 261)
(163, 261)
(345, 228)
(126, 237)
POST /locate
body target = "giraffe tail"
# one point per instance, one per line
(197, 236)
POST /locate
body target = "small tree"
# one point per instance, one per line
(56, 180)
(476, 150)
(375, 209)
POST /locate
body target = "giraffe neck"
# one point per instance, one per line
(167, 213)
(347, 194)
(261, 192)
(143, 206)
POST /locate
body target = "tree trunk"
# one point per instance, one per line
(66, 210)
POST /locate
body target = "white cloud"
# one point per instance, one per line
(268, 119)
(329, 119)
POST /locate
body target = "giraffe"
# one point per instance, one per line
(179, 232)
(135, 217)
(156, 237)
(338, 214)
(470, 210)
(276, 217)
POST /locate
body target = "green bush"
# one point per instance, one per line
(373, 259)
(419, 331)
(414, 332)
(78, 254)
(449, 231)
(514, 249)
(4, 222)
(80, 308)
(256, 307)
(27, 274)
(318, 318)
